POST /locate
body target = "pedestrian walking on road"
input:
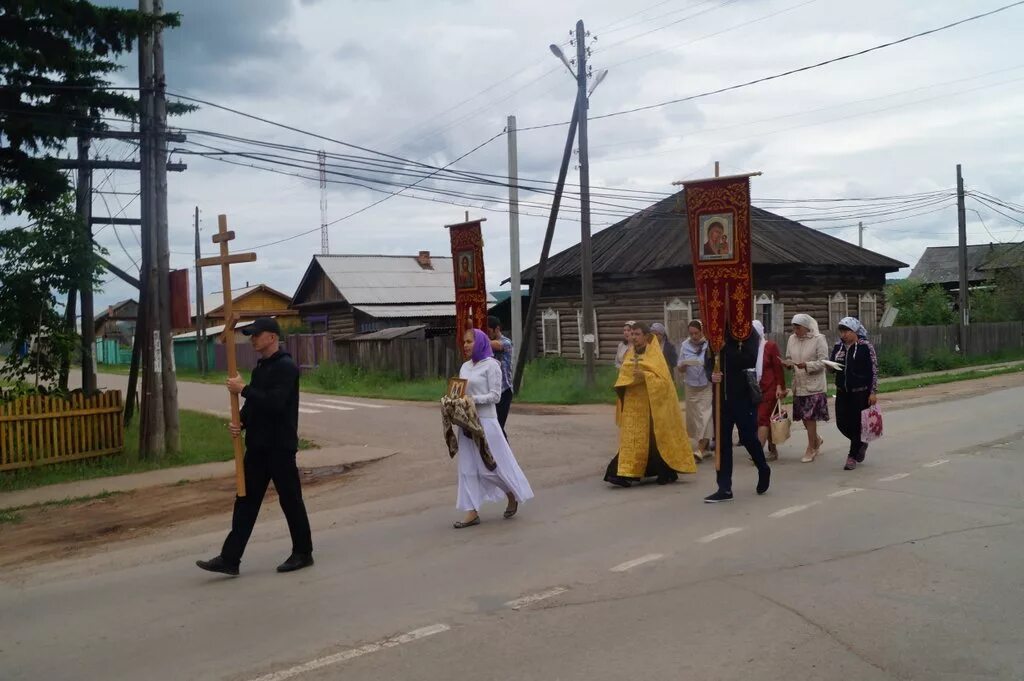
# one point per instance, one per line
(270, 419)
(856, 384)
(805, 351)
(771, 376)
(699, 402)
(737, 411)
(501, 346)
(478, 485)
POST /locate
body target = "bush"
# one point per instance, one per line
(941, 359)
(893, 363)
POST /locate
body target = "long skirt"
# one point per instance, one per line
(478, 485)
(699, 415)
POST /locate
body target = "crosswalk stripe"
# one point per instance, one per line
(355, 404)
(303, 410)
(329, 406)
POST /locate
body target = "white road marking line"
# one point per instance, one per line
(933, 464)
(844, 492)
(898, 476)
(303, 410)
(790, 510)
(534, 598)
(357, 404)
(321, 662)
(630, 564)
(718, 535)
(329, 406)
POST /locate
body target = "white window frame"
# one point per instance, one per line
(769, 300)
(546, 316)
(870, 299)
(838, 298)
(676, 305)
(579, 328)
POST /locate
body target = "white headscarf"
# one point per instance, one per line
(759, 327)
(807, 321)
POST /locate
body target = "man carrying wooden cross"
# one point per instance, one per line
(270, 418)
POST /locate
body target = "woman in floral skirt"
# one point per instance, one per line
(805, 352)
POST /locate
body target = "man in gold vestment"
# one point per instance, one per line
(652, 437)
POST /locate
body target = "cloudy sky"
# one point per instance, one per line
(429, 81)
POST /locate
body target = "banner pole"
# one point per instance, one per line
(718, 414)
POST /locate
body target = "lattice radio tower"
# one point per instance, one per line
(321, 157)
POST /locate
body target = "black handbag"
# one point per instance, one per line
(753, 386)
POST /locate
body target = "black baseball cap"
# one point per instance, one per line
(260, 325)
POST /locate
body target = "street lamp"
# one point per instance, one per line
(557, 51)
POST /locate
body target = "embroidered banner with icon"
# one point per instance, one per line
(718, 219)
(470, 285)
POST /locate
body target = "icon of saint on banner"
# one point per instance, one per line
(717, 237)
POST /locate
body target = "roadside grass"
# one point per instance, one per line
(13, 514)
(204, 439)
(896, 385)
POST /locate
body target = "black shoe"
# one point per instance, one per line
(218, 564)
(861, 452)
(718, 497)
(764, 479)
(296, 561)
(621, 482)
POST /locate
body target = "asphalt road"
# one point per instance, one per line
(907, 568)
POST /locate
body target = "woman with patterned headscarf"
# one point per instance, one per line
(856, 384)
(805, 352)
(477, 484)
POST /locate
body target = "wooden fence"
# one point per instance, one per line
(408, 357)
(37, 430)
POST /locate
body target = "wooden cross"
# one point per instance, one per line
(222, 237)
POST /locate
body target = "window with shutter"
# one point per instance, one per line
(579, 329)
(677, 318)
(867, 310)
(551, 334)
(764, 308)
(837, 309)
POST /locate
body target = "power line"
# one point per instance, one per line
(783, 74)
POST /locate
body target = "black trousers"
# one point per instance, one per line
(260, 468)
(849, 405)
(503, 408)
(740, 414)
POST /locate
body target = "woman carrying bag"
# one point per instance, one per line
(856, 384)
(771, 377)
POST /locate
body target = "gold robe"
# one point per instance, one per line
(651, 399)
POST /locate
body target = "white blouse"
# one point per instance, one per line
(483, 385)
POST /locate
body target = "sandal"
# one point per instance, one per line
(773, 453)
(511, 509)
(459, 524)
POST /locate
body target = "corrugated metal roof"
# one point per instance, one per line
(940, 264)
(211, 331)
(388, 334)
(656, 239)
(377, 279)
(420, 310)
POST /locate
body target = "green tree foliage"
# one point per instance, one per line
(920, 304)
(1003, 301)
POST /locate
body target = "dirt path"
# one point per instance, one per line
(554, 444)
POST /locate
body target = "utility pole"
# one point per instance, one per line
(83, 201)
(152, 438)
(586, 269)
(170, 384)
(961, 219)
(200, 308)
(513, 242)
(321, 158)
(860, 234)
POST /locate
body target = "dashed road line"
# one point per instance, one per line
(329, 406)
(935, 463)
(790, 510)
(630, 564)
(898, 476)
(322, 662)
(535, 598)
(305, 410)
(844, 492)
(718, 535)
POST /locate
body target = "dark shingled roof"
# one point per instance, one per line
(656, 239)
(939, 265)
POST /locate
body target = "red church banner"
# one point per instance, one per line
(470, 285)
(718, 217)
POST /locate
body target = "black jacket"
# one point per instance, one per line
(737, 357)
(270, 414)
(860, 367)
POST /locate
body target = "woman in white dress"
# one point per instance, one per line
(477, 484)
